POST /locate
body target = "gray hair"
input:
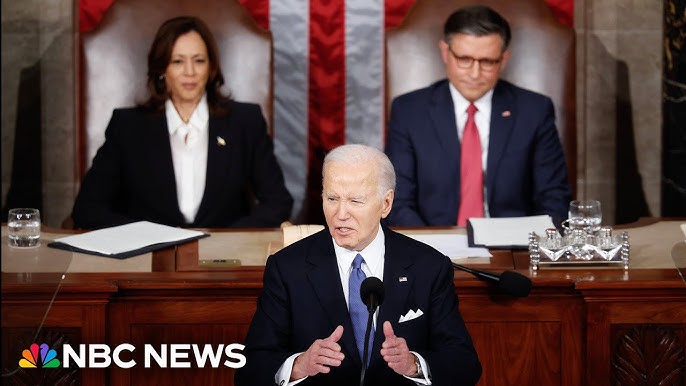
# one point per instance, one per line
(355, 154)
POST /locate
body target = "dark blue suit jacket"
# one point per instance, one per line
(302, 300)
(132, 176)
(526, 170)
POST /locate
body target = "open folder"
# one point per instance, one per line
(505, 232)
(128, 240)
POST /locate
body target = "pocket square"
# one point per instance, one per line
(411, 314)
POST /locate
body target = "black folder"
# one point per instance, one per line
(160, 236)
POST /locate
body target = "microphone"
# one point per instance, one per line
(513, 283)
(372, 295)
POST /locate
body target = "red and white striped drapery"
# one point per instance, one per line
(328, 79)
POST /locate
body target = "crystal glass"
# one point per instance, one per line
(23, 228)
(586, 215)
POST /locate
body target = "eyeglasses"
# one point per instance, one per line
(485, 64)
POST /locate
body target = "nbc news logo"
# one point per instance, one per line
(39, 357)
(163, 356)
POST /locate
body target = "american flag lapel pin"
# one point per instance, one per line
(506, 113)
(221, 141)
(402, 279)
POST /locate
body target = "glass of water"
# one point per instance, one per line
(23, 227)
(586, 215)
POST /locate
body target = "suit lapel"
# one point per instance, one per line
(326, 285)
(398, 281)
(158, 159)
(219, 151)
(442, 113)
(502, 119)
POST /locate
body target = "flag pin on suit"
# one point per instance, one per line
(506, 113)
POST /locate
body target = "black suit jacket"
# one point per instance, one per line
(132, 176)
(302, 301)
(526, 169)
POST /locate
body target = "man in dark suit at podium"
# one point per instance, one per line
(307, 324)
(473, 145)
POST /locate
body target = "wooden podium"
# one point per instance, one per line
(579, 326)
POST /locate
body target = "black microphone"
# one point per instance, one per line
(513, 283)
(372, 294)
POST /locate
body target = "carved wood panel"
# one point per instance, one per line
(649, 354)
(66, 322)
(17, 339)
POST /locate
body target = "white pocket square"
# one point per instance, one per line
(411, 314)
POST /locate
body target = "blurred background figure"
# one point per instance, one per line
(474, 145)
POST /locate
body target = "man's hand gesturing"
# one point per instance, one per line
(322, 354)
(396, 353)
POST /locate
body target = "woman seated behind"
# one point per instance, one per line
(189, 156)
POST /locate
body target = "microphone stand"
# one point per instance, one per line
(365, 354)
(512, 283)
(478, 273)
(372, 294)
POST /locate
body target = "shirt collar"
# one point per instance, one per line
(373, 254)
(198, 119)
(483, 104)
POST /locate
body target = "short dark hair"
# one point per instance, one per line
(160, 56)
(477, 20)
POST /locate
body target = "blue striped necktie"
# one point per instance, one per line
(358, 311)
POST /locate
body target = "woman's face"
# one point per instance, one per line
(188, 69)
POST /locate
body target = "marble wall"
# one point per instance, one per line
(619, 78)
(674, 110)
(38, 37)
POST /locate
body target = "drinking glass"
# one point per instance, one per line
(23, 227)
(586, 215)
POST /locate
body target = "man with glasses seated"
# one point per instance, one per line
(474, 145)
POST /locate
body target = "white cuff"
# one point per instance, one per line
(425, 379)
(283, 375)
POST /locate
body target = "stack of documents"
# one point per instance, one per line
(506, 232)
(453, 246)
(127, 240)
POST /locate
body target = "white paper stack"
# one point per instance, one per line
(127, 240)
(506, 232)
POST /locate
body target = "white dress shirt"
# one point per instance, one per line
(189, 155)
(373, 265)
(482, 118)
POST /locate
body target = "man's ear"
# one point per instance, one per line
(506, 57)
(443, 47)
(387, 204)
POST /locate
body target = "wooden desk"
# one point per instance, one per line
(577, 327)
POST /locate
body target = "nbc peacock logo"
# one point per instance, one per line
(39, 357)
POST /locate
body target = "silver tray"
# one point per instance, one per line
(579, 250)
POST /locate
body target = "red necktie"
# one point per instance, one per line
(471, 172)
